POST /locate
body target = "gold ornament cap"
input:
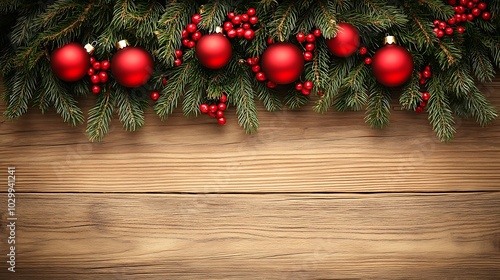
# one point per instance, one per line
(219, 30)
(390, 40)
(122, 44)
(90, 49)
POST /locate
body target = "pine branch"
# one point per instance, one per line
(411, 95)
(194, 94)
(295, 99)
(100, 116)
(64, 103)
(244, 100)
(337, 73)
(317, 70)
(355, 91)
(130, 108)
(284, 21)
(174, 89)
(459, 80)
(23, 85)
(214, 13)
(481, 64)
(267, 96)
(378, 108)
(325, 18)
(479, 107)
(438, 8)
(440, 115)
(447, 55)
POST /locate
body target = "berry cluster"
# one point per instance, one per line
(216, 110)
(190, 35)
(309, 41)
(305, 87)
(98, 74)
(240, 25)
(363, 51)
(425, 75)
(465, 10)
(259, 75)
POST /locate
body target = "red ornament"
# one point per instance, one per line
(214, 51)
(71, 62)
(392, 64)
(132, 66)
(346, 42)
(282, 63)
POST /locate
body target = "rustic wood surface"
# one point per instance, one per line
(307, 197)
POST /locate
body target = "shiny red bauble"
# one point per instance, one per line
(214, 51)
(282, 63)
(132, 66)
(346, 42)
(392, 65)
(71, 62)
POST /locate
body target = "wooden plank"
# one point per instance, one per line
(297, 151)
(286, 236)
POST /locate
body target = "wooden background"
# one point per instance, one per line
(308, 197)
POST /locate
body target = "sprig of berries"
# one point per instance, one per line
(216, 110)
(240, 25)
(98, 73)
(190, 35)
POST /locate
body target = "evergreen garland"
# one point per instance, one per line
(36, 28)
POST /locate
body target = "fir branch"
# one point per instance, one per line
(214, 13)
(317, 70)
(130, 108)
(459, 80)
(295, 99)
(267, 96)
(481, 64)
(438, 8)
(440, 115)
(284, 21)
(411, 95)
(325, 18)
(174, 89)
(337, 73)
(100, 116)
(64, 103)
(378, 108)
(355, 92)
(479, 107)
(23, 85)
(447, 55)
(244, 100)
(194, 95)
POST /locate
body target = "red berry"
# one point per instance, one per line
(177, 62)
(470, 5)
(236, 19)
(461, 29)
(482, 6)
(184, 34)
(240, 32)
(475, 1)
(228, 26)
(191, 44)
(442, 25)
(310, 38)
(244, 17)
(231, 15)
(476, 12)
(222, 106)
(426, 96)
(249, 34)
(191, 28)
(301, 37)
(91, 71)
(452, 21)
(261, 77)
(96, 89)
(253, 20)
(103, 76)
(247, 26)
(213, 108)
(440, 34)
(92, 60)
(270, 41)
(95, 79)
(212, 114)
(185, 42)
(363, 50)
(251, 61)
(310, 47)
(470, 17)
(96, 65)
(452, 2)
(299, 86)
(256, 68)
(423, 104)
(196, 36)
(463, 2)
(422, 81)
(368, 60)
(251, 12)
(427, 68)
(271, 84)
(486, 15)
(204, 108)
(196, 18)
(155, 95)
(223, 98)
(221, 121)
(460, 9)
(308, 56)
(320, 93)
(464, 17)
(306, 91)
(105, 65)
(308, 85)
(419, 110)
(448, 31)
(164, 81)
(219, 114)
(231, 33)
(436, 22)
(178, 53)
(458, 18)
(317, 32)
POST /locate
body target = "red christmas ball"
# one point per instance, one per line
(71, 62)
(392, 65)
(214, 51)
(282, 63)
(132, 66)
(346, 42)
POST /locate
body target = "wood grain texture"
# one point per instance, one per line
(285, 236)
(297, 151)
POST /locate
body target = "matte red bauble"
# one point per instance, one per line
(132, 66)
(392, 65)
(282, 63)
(346, 42)
(71, 62)
(214, 51)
